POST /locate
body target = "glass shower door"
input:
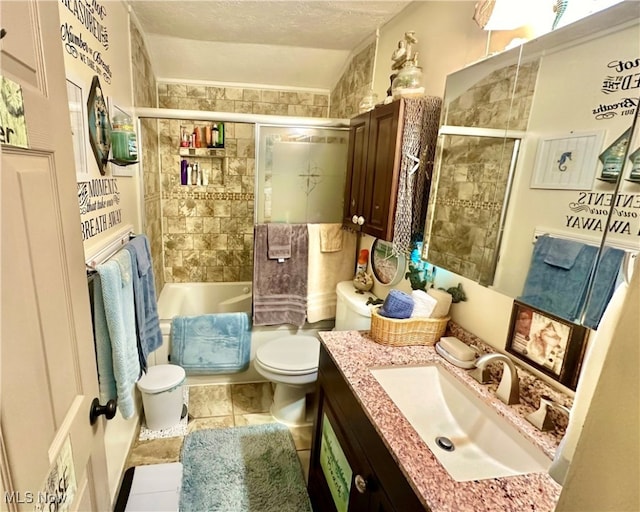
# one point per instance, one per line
(300, 174)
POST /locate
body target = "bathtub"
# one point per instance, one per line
(188, 299)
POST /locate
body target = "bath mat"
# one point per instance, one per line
(242, 469)
(211, 344)
(179, 430)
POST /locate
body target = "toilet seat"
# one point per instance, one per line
(290, 356)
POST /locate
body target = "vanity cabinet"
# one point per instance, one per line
(351, 469)
(373, 166)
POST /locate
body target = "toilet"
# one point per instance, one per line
(291, 363)
(352, 311)
(162, 398)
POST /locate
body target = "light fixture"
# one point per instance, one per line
(501, 14)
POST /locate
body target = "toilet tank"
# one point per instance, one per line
(352, 311)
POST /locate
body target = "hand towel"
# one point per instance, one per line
(279, 241)
(326, 270)
(216, 343)
(280, 289)
(423, 304)
(562, 253)
(330, 237)
(604, 284)
(149, 335)
(120, 334)
(398, 304)
(556, 289)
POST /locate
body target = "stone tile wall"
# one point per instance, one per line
(474, 171)
(353, 85)
(144, 90)
(208, 230)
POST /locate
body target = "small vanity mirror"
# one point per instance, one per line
(522, 147)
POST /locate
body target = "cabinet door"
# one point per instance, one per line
(340, 477)
(383, 165)
(356, 168)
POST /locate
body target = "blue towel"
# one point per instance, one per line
(116, 333)
(217, 343)
(562, 253)
(604, 284)
(148, 324)
(556, 289)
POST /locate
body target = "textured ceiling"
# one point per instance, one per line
(291, 43)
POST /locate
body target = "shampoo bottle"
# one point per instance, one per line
(184, 175)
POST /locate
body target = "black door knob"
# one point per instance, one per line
(109, 410)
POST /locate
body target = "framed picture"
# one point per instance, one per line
(76, 111)
(99, 125)
(549, 343)
(567, 162)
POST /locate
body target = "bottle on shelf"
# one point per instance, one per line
(194, 174)
(184, 175)
(184, 137)
(208, 136)
(214, 135)
(220, 142)
(189, 173)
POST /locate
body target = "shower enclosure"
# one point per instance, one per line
(272, 169)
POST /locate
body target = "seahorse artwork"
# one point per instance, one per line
(562, 166)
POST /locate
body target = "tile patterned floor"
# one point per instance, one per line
(220, 406)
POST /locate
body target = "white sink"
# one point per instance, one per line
(439, 406)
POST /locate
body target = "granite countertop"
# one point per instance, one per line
(355, 353)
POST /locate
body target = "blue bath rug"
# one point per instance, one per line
(242, 469)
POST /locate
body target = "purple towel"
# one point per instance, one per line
(280, 287)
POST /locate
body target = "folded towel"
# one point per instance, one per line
(397, 305)
(149, 336)
(423, 304)
(562, 253)
(330, 237)
(444, 300)
(218, 343)
(119, 337)
(326, 270)
(280, 289)
(604, 283)
(279, 241)
(556, 289)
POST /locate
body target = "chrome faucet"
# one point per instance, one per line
(509, 388)
(540, 418)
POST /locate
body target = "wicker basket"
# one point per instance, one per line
(410, 331)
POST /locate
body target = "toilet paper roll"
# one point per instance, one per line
(444, 302)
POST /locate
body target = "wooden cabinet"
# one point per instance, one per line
(347, 450)
(373, 166)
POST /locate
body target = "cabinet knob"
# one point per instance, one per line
(361, 484)
(360, 220)
(354, 219)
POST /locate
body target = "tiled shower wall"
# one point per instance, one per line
(144, 90)
(474, 171)
(208, 230)
(353, 85)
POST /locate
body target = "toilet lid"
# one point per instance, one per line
(295, 354)
(161, 378)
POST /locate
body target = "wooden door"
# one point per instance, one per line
(356, 169)
(383, 166)
(49, 451)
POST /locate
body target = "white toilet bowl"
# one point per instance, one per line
(291, 363)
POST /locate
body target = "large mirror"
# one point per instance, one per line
(530, 145)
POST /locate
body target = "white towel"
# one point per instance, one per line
(330, 237)
(119, 337)
(423, 304)
(326, 270)
(444, 302)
